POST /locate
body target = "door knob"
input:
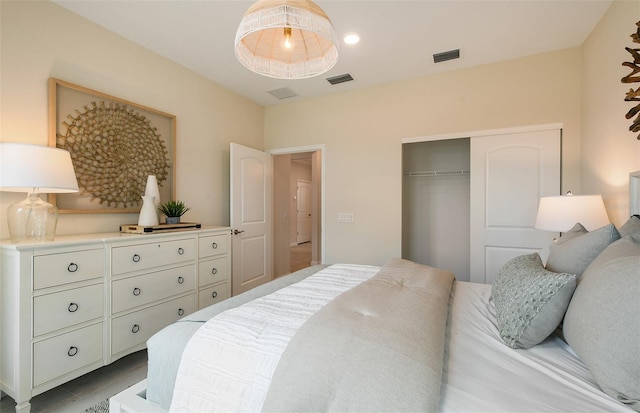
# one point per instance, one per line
(236, 232)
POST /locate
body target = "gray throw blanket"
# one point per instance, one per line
(378, 347)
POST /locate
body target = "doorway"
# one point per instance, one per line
(483, 188)
(297, 210)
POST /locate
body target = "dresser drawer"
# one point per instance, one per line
(59, 310)
(149, 255)
(212, 295)
(213, 245)
(143, 289)
(67, 267)
(65, 353)
(134, 329)
(212, 271)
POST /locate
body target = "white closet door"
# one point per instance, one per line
(509, 174)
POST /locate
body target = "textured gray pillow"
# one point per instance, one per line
(575, 249)
(602, 323)
(632, 226)
(530, 301)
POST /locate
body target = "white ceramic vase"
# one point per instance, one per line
(148, 215)
(152, 189)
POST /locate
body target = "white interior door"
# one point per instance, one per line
(509, 174)
(251, 192)
(303, 202)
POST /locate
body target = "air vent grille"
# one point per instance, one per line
(283, 93)
(444, 56)
(340, 79)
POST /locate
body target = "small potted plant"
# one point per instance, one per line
(173, 210)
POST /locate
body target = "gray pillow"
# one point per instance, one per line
(530, 301)
(602, 323)
(575, 249)
(632, 226)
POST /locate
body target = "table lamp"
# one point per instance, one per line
(561, 213)
(34, 169)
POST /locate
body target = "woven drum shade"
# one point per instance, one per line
(263, 29)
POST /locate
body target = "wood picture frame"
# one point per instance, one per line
(115, 145)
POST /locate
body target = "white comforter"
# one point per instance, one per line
(218, 374)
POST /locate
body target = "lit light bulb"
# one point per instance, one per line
(287, 42)
(351, 38)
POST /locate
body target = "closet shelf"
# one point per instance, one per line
(435, 173)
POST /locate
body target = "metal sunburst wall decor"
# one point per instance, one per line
(114, 149)
(633, 77)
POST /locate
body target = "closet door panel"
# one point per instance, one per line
(509, 174)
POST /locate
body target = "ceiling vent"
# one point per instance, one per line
(340, 79)
(444, 56)
(283, 93)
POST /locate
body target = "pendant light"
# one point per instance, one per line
(286, 39)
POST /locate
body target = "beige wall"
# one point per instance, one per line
(609, 150)
(363, 129)
(40, 40)
(281, 214)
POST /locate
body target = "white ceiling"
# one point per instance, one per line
(398, 37)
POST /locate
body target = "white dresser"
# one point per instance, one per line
(77, 303)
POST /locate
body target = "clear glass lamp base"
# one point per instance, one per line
(32, 220)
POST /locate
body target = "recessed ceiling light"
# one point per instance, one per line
(351, 38)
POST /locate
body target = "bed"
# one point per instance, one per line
(407, 337)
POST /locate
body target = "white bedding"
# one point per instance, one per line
(482, 374)
(228, 363)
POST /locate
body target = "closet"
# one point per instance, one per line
(435, 204)
(469, 204)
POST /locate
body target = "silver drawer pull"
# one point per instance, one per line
(137, 291)
(180, 312)
(136, 258)
(214, 294)
(73, 267)
(72, 351)
(180, 251)
(180, 280)
(214, 246)
(135, 328)
(73, 307)
(214, 271)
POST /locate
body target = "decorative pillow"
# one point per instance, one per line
(632, 226)
(575, 249)
(530, 301)
(602, 323)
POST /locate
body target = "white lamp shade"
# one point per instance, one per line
(24, 167)
(260, 35)
(561, 213)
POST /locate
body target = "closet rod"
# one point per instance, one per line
(436, 173)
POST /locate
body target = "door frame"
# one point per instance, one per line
(503, 131)
(309, 184)
(312, 148)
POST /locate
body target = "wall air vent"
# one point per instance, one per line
(340, 79)
(444, 56)
(283, 93)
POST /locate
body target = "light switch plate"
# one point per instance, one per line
(346, 217)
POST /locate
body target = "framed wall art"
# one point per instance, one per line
(114, 144)
(633, 77)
